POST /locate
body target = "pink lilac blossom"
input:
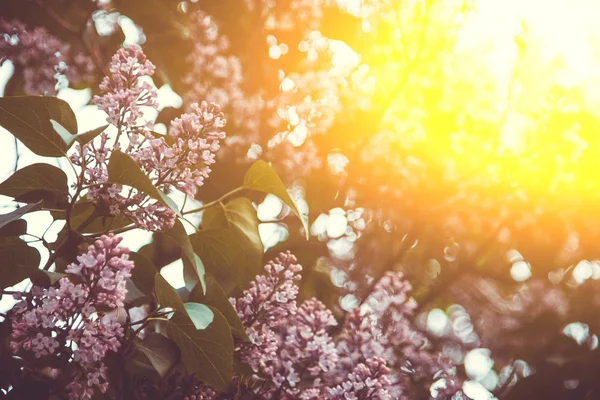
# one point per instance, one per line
(47, 64)
(180, 160)
(186, 162)
(377, 353)
(63, 321)
(368, 381)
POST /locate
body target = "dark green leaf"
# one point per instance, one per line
(17, 257)
(38, 182)
(221, 255)
(28, 119)
(18, 213)
(161, 351)
(82, 211)
(124, 170)
(201, 315)
(134, 296)
(43, 278)
(263, 178)
(14, 228)
(82, 138)
(166, 295)
(215, 297)
(178, 235)
(191, 276)
(208, 352)
(88, 136)
(142, 273)
(215, 217)
(230, 239)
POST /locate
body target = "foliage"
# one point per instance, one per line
(417, 159)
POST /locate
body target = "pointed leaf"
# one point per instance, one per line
(221, 255)
(178, 234)
(191, 273)
(82, 138)
(43, 278)
(166, 295)
(38, 182)
(263, 178)
(237, 222)
(241, 214)
(82, 211)
(16, 258)
(28, 119)
(18, 213)
(201, 315)
(215, 297)
(143, 272)
(161, 351)
(14, 228)
(124, 170)
(208, 353)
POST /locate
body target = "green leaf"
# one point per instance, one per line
(166, 295)
(142, 273)
(191, 276)
(201, 315)
(17, 257)
(14, 228)
(208, 352)
(230, 240)
(178, 234)
(28, 119)
(161, 351)
(221, 255)
(18, 213)
(82, 210)
(240, 214)
(81, 138)
(263, 178)
(124, 170)
(215, 297)
(38, 182)
(134, 296)
(43, 278)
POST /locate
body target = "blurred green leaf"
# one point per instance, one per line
(28, 119)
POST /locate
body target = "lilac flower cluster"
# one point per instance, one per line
(65, 323)
(179, 160)
(377, 353)
(47, 64)
(186, 163)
